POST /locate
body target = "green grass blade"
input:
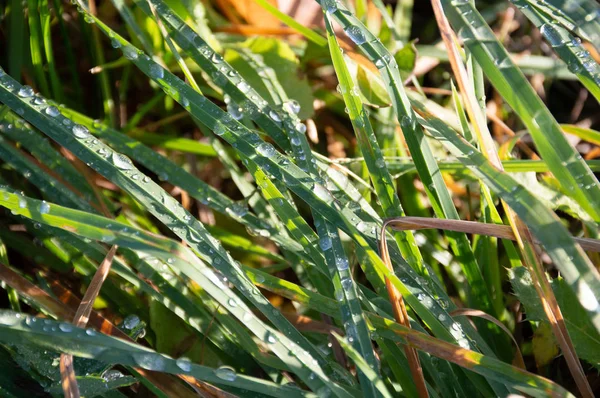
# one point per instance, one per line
(291, 22)
(35, 40)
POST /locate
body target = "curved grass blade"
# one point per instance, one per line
(473, 227)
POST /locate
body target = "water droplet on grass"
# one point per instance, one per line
(80, 131)
(552, 35)
(44, 207)
(112, 374)
(267, 150)
(293, 106)
(65, 327)
(25, 92)
(131, 321)
(156, 71)
(330, 6)
(184, 364)
(270, 338)
(149, 361)
(275, 116)
(121, 161)
(341, 263)
(226, 373)
(130, 53)
(325, 243)
(355, 34)
(52, 111)
(301, 127)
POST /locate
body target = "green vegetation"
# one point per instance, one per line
(210, 198)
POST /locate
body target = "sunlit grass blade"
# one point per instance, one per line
(292, 23)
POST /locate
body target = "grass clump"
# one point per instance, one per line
(298, 209)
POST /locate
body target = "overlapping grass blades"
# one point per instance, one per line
(562, 159)
(322, 217)
(120, 170)
(86, 343)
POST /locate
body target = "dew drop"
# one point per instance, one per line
(355, 34)
(184, 364)
(156, 71)
(131, 321)
(80, 131)
(325, 243)
(293, 106)
(331, 6)
(149, 361)
(44, 207)
(301, 128)
(346, 283)
(226, 373)
(65, 327)
(552, 35)
(243, 86)
(275, 116)
(341, 263)
(121, 161)
(112, 374)
(216, 58)
(265, 149)
(270, 338)
(25, 92)
(52, 111)
(130, 53)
